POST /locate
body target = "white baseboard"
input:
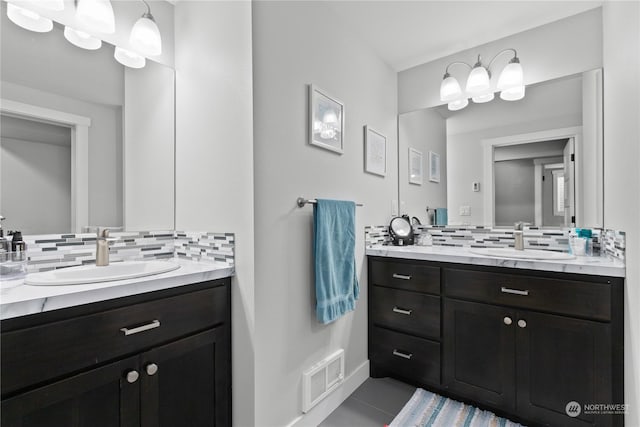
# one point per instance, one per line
(322, 410)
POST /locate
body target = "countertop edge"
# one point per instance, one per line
(32, 303)
(613, 269)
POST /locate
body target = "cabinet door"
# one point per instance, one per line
(479, 352)
(187, 382)
(562, 360)
(102, 397)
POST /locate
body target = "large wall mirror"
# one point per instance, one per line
(85, 141)
(537, 160)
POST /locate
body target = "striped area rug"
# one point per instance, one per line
(426, 409)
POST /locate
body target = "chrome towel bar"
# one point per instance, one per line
(301, 201)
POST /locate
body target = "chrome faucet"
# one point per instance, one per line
(518, 235)
(102, 247)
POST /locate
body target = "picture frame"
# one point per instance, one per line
(434, 167)
(415, 166)
(375, 152)
(326, 120)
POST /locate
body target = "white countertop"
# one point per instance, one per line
(598, 266)
(18, 299)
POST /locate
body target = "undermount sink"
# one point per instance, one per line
(92, 274)
(525, 254)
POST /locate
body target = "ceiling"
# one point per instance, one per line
(408, 33)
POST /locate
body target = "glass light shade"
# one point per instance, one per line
(129, 58)
(28, 19)
(145, 37)
(485, 97)
(450, 89)
(513, 94)
(478, 80)
(458, 104)
(511, 76)
(81, 39)
(330, 117)
(96, 15)
(56, 5)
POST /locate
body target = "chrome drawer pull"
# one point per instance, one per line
(132, 376)
(401, 276)
(514, 291)
(403, 355)
(152, 325)
(151, 369)
(401, 311)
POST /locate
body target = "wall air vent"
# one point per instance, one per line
(321, 379)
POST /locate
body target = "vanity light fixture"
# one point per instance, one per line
(81, 39)
(478, 86)
(129, 58)
(28, 19)
(96, 15)
(145, 35)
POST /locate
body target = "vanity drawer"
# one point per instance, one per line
(590, 300)
(407, 311)
(410, 357)
(411, 275)
(41, 353)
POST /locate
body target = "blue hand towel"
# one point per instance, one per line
(335, 263)
(441, 216)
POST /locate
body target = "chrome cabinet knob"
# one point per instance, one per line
(132, 376)
(507, 320)
(151, 369)
(522, 323)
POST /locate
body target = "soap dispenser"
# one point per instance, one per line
(5, 246)
(18, 246)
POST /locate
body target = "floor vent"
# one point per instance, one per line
(321, 379)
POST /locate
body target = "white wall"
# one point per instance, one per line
(148, 149)
(36, 190)
(552, 105)
(558, 49)
(424, 130)
(214, 156)
(622, 175)
(296, 44)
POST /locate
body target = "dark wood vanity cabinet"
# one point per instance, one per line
(404, 320)
(152, 360)
(522, 343)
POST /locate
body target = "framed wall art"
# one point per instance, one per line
(326, 120)
(415, 166)
(434, 167)
(375, 152)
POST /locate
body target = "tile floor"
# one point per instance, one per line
(375, 403)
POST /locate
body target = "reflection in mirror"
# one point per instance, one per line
(530, 184)
(509, 162)
(46, 79)
(36, 175)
